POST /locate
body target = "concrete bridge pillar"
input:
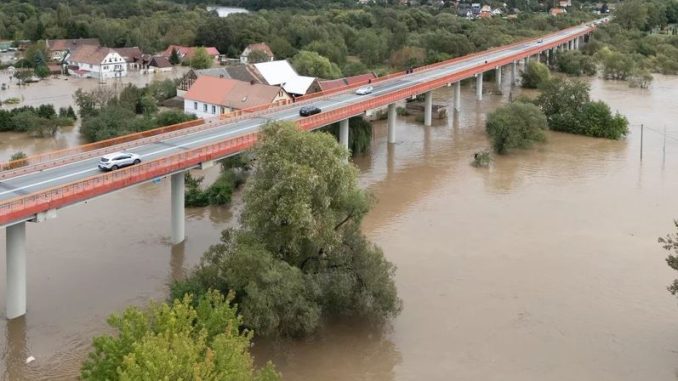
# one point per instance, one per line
(428, 108)
(457, 96)
(178, 211)
(527, 60)
(497, 76)
(547, 54)
(514, 73)
(576, 43)
(392, 123)
(343, 133)
(15, 289)
(479, 86)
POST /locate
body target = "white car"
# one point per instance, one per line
(364, 90)
(116, 160)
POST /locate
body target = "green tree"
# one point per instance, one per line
(631, 14)
(407, 56)
(300, 255)
(201, 59)
(573, 62)
(535, 75)
(174, 57)
(176, 342)
(515, 126)
(314, 65)
(568, 108)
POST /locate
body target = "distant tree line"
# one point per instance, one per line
(323, 38)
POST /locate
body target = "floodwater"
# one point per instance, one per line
(59, 91)
(543, 267)
(225, 11)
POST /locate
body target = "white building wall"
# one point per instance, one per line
(203, 110)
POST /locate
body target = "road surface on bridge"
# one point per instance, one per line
(52, 177)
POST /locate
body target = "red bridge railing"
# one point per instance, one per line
(24, 207)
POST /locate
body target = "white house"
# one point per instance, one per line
(211, 96)
(281, 73)
(261, 47)
(96, 62)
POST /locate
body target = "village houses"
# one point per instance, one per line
(210, 96)
(262, 48)
(89, 61)
(58, 49)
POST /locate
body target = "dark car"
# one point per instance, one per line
(309, 110)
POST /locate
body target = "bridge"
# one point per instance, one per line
(35, 188)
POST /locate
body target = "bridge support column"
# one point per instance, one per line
(428, 108)
(479, 86)
(526, 60)
(514, 73)
(343, 133)
(457, 96)
(576, 43)
(497, 76)
(392, 123)
(178, 211)
(15, 291)
(547, 53)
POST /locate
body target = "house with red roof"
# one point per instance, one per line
(187, 52)
(211, 96)
(261, 48)
(58, 49)
(90, 61)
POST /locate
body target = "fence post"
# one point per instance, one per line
(641, 142)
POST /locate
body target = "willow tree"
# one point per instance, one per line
(300, 255)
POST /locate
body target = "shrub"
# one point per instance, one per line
(177, 341)
(573, 62)
(534, 75)
(515, 126)
(482, 159)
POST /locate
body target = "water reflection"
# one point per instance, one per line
(16, 350)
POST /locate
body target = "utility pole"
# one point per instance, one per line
(641, 142)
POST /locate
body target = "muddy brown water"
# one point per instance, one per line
(544, 266)
(59, 91)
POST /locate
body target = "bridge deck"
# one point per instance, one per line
(60, 182)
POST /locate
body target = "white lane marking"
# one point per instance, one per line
(48, 181)
(144, 155)
(419, 79)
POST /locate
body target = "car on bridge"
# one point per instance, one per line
(364, 90)
(309, 110)
(116, 160)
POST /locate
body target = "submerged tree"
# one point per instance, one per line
(515, 126)
(176, 342)
(300, 255)
(670, 244)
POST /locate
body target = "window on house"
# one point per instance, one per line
(195, 105)
(214, 109)
(204, 107)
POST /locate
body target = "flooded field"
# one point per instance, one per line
(543, 267)
(59, 91)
